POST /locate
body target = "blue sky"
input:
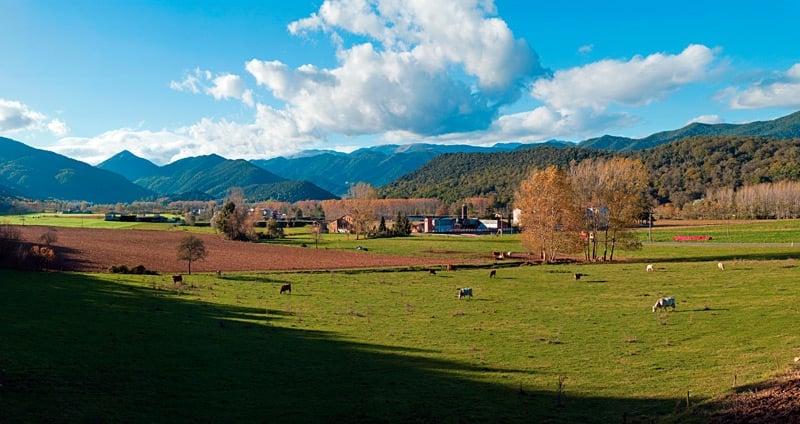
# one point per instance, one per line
(266, 78)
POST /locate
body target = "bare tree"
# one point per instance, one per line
(191, 249)
(361, 198)
(613, 193)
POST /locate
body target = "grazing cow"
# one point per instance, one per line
(177, 279)
(432, 271)
(465, 292)
(219, 273)
(721, 266)
(451, 267)
(664, 302)
(286, 288)
(492, 273)
(650, 268)
(577, 276)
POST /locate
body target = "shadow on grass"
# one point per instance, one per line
(80, 349)
(744, 255)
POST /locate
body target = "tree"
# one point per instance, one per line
(615, 190)
(191, 249)
(550, 220)
(360, 201)
(382, 230)
(274, 230)
(233, 220)
(401, 225)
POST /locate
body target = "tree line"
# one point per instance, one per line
(590, 206)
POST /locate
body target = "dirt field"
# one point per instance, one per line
(95, 250)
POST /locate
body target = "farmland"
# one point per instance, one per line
(391, 343)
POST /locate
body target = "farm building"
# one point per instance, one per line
(342, 224)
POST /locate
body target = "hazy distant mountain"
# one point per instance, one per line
(41, 174)
(782, 128)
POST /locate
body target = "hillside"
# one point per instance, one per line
(680, 171)
(211, 176)
(377, 166)
(128, 165)
(40, 174)
(455, 176)
(786, 127)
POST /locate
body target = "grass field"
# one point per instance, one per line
(534, 345)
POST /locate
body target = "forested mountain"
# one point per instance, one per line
(376, 166)
(455, 176)
(683, 170)
(680, 171)
(129, 166)
(40, 174)
(786, 127)
(211, 176)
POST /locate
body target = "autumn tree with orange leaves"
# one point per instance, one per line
(550, 218)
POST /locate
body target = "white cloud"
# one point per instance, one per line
(780, 90)
(586, 49)
(706, 119)
(222, 86)
(16, 116)
(58, 127)
(428, 68)
(636, 82)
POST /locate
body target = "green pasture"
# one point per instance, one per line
(533, 345)
(766, 231)
(91, 221)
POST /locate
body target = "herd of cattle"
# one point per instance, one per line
(466, 292)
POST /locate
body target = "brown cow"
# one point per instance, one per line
(432, 271)
(286, 288)
(177, 279)
(492, 273)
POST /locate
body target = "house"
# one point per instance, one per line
(344, 224)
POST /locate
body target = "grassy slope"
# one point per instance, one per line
(372, 346)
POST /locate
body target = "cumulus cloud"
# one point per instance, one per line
(16, 116)
(636, 82)
(427, 68)
(778, 90)
(222, 86)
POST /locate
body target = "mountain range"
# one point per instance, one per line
(26, 172)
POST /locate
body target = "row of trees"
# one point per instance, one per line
(591, 207)
(779, 200)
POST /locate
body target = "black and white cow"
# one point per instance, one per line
(467, 291)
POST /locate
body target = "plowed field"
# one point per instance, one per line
(95, 250)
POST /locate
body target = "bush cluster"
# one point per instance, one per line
(123, 269)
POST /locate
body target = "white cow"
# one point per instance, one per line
(721, 266)
(664, 302)
(650, 268)
(465, 292)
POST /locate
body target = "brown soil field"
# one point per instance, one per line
(774, 401)
(95, 250)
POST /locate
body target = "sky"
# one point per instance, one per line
(167, 80)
